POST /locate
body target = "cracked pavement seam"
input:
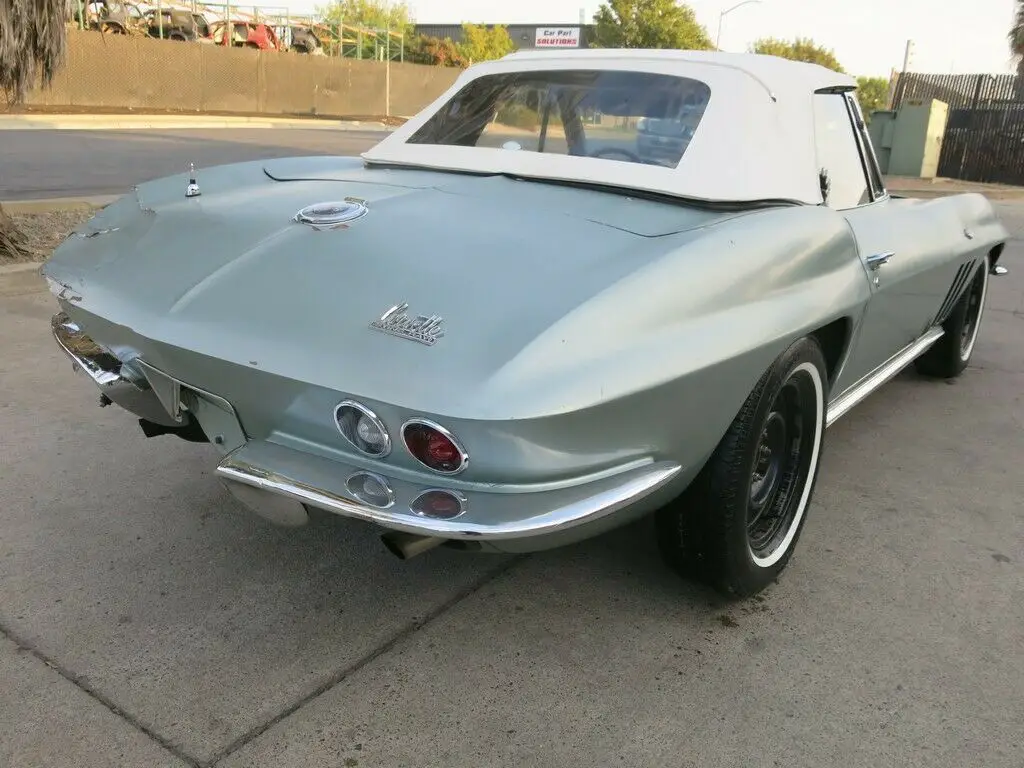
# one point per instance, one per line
(80, 683)
(254, 733)
(343, 674)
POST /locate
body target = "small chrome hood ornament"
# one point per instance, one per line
(425, 330)
(330, 215)
(192, 190)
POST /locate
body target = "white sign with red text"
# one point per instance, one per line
(557, 37)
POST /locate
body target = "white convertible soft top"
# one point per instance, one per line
(755, 141)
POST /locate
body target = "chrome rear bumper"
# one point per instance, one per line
(320, 482)
(279, 482)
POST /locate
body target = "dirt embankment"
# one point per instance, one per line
(43, 232)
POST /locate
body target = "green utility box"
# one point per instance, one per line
(881, 130)
(908, 142)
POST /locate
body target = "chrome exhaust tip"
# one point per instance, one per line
(276, 509)
(407, 545)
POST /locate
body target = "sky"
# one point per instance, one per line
(868, 37)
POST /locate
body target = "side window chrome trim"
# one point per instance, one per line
(844, 94)
(868, 159)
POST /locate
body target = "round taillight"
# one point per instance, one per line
(434, 447)
(361, 427)
(371, 489)
(438, 504)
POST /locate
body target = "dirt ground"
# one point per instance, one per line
(45, 231)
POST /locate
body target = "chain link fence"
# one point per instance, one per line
(139, 72)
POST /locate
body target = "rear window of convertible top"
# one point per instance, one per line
(618, 115)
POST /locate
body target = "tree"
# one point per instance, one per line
(873, 94)
(436, 52)
(391, 15)
(1016, 36)
(33, 47)
(800, 49)
(648, 24)
(482, 43)
(373, 14)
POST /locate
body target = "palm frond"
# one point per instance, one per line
(1015, 36)
(33, 44)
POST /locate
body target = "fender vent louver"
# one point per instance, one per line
(955, 290)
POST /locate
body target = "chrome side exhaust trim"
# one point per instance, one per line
(407, 545)
(276, 509)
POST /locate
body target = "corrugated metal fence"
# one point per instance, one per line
(984, 138)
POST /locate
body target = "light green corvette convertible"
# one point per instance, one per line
(578, 288)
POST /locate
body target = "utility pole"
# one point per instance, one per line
(894, 79)
(908, 54)
(891, 94)
(722, 15)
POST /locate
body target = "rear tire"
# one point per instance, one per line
(949, 356)
(735, 527)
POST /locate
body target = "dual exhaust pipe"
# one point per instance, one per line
(405, 546)
(288, 512)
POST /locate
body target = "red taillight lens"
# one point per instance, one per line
(442, 450)
(441, 505)
(434, 447)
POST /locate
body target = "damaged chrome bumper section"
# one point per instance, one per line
(117, 381)
(280, 483)
(163, 404)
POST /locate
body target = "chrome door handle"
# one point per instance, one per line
(878, 259)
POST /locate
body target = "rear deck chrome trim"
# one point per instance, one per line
(882, 374)
(639, 484)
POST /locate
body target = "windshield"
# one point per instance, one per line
(593, 113)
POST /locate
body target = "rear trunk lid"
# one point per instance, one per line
(232, 275)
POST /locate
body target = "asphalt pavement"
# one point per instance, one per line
(36, 164)
(148, 620)
(42, 164)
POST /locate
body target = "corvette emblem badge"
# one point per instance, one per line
(425, 330)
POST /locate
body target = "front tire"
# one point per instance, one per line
(948, 357)
(735, 527)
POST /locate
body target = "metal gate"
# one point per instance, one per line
(984, 138)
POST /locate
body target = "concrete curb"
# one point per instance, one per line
(991, 194)
(941, 186)
(46, 122)
(21, 266)
(49, 205)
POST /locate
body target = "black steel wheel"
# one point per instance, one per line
(737, 523)
(950, 355)
(974, 301)
(782, 461)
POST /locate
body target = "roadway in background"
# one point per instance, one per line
(37, 164)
